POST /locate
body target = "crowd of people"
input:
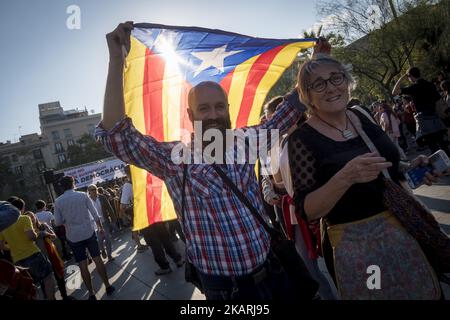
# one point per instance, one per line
(326, 195)
(80, 226)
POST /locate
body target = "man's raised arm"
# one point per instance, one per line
(116, 132)
(114, 104)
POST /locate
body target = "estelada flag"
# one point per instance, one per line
(165, 62)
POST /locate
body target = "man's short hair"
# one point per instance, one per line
(66, 183)
(18, 203)
(12, 198)
(40, 204)
(414, 72)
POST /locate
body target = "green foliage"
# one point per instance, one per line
(412, 33)
(84, 151)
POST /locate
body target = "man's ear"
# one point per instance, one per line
(190, 114)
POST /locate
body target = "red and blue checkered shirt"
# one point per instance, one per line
(222, 236)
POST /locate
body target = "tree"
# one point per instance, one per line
(381, 49)
(84, 151)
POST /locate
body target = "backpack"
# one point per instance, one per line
(15, 282)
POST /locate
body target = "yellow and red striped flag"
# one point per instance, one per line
(164, 62)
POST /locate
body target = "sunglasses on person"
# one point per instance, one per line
(336, 78)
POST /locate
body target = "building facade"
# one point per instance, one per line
(64, 128)
(24, 162)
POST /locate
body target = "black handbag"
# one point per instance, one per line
(418, 221)
(282, 248)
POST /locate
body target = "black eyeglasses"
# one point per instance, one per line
(320, 85)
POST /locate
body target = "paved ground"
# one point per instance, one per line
(437, 198)
(132, 274)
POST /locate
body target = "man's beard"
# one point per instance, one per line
(221, 124)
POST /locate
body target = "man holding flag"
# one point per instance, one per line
(225, 243)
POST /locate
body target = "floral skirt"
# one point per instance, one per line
(375, 258)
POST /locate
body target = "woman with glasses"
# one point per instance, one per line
(337, 179)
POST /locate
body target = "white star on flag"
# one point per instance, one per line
(213, 58)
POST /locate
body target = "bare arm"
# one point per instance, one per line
(114, 105)
(31, 235)
(49, 232)
(396, 90)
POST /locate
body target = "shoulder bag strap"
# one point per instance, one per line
(364, 112)
(368, 142)
(244, 200)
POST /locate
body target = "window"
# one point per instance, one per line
(59, 147)
(37, 154)
(55, 135)
(15, 158)
(68, 133)
(70, 142)
(18, 170)
(62, 158)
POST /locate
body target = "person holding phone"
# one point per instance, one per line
(76, 211)
(338, 180)
(438, 162)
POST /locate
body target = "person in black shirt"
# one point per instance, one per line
(337, 179)
(430, 129)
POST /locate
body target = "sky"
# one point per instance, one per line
(41, 60)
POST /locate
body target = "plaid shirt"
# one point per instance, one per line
(222, 236)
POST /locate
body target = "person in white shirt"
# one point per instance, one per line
(43, 215)
(77, 213)
(126, 204)
(104, 210)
